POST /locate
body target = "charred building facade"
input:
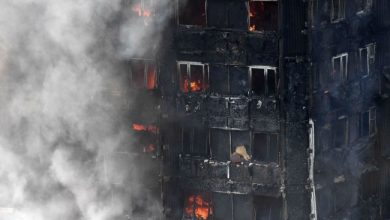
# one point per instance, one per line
(266, 109)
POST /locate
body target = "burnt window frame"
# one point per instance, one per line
(249, 15)
(192, 137)
(147, 63)
(372, 123)
(364, 6)
(271, 204)
(266, 89)
(335, 133)
(341, 14)
(231, 202)
(371, 53)
(205, 86)
(190, 25)
(231, 147)
(343, 74)
(268, 136)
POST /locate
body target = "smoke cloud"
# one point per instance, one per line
(65, 145)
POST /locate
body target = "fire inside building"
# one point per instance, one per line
(266, 109)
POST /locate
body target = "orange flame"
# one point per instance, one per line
(142, 12)
(198, 207)
(252, 28)
(192, 86)
(149, 128)
(195, 85)
(152, 78)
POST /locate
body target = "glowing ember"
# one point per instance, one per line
(197, 206)
(195, 85)
(148, 128)
(152, 77)
(252, 28)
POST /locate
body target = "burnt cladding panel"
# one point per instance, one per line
(237, 48)
(267, 208)
(239, 81)
(238, 15)
(239, 111)
(222, 14)
(220, 144)
(216, 46)
(192, 12)
(265, 147)
(385, 130)
(383, 12)
(264, 49)
(243, 207)
(219, 79)
(385, 188)
(217, 109)
(217, 14)
(294, 12)
(222, 206)
(194, 140)
(172, 146)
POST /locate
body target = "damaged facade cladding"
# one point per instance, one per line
(227, 101)
(349, 54)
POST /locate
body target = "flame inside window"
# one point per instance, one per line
(193, 77)
(143, 9)
(148, 128)
(198, 206)
(144, 74)
(263, 15)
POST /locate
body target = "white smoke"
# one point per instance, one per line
(65, 148)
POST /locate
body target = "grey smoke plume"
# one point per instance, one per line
(65, 148)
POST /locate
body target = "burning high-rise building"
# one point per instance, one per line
(266, 109)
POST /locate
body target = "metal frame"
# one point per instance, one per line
(146, 63)
(189, 63)
(265, 68)
(344, 74)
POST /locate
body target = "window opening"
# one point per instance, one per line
(143, 74)
(193, 77)
(192, 12)
(263, 15)
(263, 81)
(340, 67)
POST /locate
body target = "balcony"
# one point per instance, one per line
(242, 178)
